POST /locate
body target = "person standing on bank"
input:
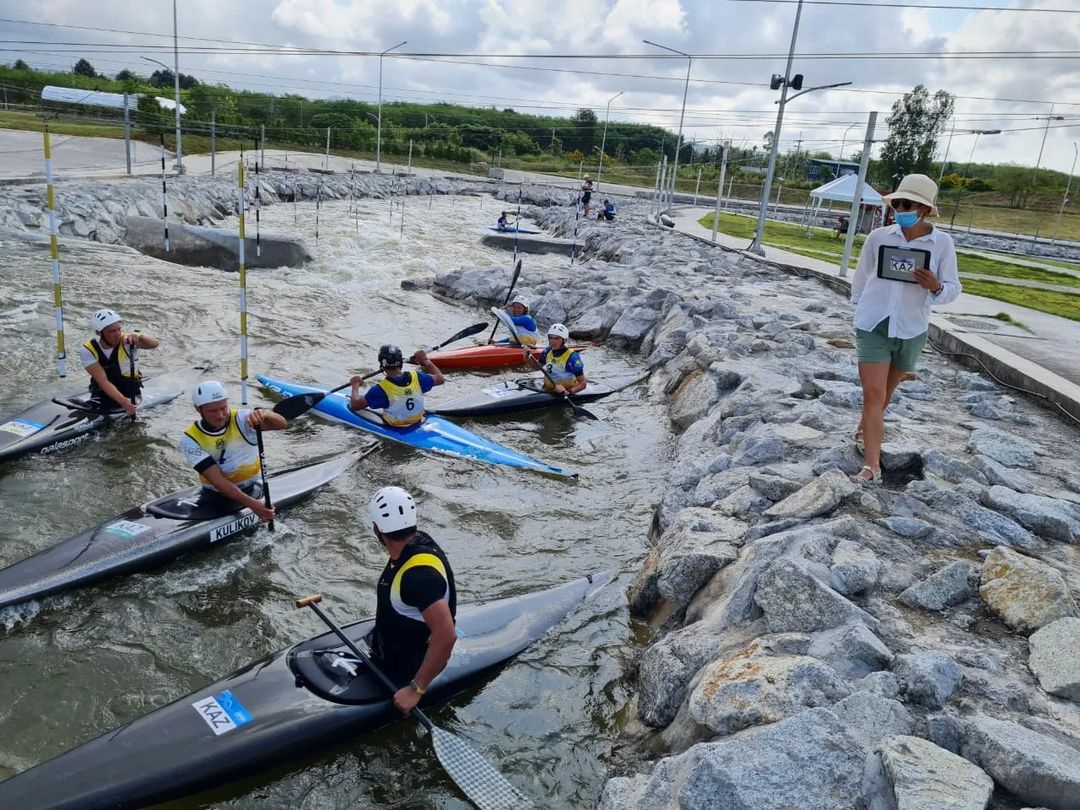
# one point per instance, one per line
(416, 600)
(112, 361)
(892, 316)
(586, 195)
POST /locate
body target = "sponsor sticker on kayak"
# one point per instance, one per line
(126, 528)
(21, 427)
(234, 526)
(222, 712)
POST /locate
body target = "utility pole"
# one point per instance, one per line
(1065, 198)
(720, 188)
(378, 131)
(856, 198)
(127, 134)
(213, 142)
(176, 88)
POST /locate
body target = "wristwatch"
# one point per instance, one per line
(416, 688)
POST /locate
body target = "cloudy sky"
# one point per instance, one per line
(476, 52)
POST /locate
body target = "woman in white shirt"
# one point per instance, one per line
(891, 315)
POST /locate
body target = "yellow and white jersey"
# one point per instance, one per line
(405, 400)
(234, 448)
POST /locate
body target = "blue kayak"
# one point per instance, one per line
(509, 230)
(434, 434)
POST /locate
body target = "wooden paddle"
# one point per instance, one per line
(477, 778)
(513, 283)
(299, 404)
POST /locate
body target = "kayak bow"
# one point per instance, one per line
(152, 534)
(435, 434)
(277, 710)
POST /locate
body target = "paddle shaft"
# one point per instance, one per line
(262, 472)
(513, 283)
(312, 602)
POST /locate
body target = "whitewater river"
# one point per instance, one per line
(77, 665)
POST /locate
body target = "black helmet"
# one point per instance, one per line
(390, 357)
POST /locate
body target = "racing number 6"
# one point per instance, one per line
(410, 404)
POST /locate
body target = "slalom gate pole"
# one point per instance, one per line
(164, 195)
(243, 285)
(318, 206)
(577, 217)
(517, 225)
(258, 211)
(54, 252)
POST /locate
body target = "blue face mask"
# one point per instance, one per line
(906, 219)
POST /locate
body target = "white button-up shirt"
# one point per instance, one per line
(906, 305)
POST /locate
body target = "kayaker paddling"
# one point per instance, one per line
(564, 367)
(528, 333)
(222, 447)
(414, 630)
(400, 394)
(111, 360)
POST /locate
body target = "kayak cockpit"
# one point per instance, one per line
(327, 668)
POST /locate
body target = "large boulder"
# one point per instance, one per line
(792, 598)
(1054, 657)
(696, 545)
(851, 650)
(909, 773)
(869, 717)
(1023, 591)
(1034, 767)
(819, 497)
(596, 322)
(692, 400)
(666, 670)
(1004, 448)
(632, 326)
(751, 688)
(927, 678)
(990, 525)
(855, 568)
(1047, 517)
(806, 762)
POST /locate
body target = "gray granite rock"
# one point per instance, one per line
(951, 585)
(666, 669)
(935, 462)
(927, 678)
(765, 529)
(693, 399)
(992, 525)
(880, 683)
(999, 474)
(792, 598)
(869, 717)
(1034, 767)
(1024, 592)
(632, 326)
(755, 451)
(806, 762)
(744, 502)
(855, 568)
(751, 688)
(819, 497)
(1047, 517)
(774, 487)
(1004, 448)
(900, 456)
(595, 323)
(694, 547)
(910, 773)
(909, 527)
(1054, 657)
(654, 791)
(851, 650)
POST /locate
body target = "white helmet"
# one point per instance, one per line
(520, 299)
(103, 318)
(558, 330)
(207, 392)
(392, 509)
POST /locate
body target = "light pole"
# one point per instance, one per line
(682, 113)
(960, 193)
(176, 101)
(603, 140)
(378, 131)
(1064, 199)
(843, 143)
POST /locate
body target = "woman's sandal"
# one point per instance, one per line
(862, 480)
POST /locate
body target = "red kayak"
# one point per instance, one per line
(489, 356)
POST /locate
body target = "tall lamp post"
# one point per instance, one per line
(843, 143)
(378, 131)
(682, 113)
(176, 100)
(603, 140)
(1065, 198)
(960, 193)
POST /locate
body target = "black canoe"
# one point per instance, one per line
(275, 710)
(526, 394)
(152, 534)
(56, 424)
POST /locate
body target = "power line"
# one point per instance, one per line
(864, 4)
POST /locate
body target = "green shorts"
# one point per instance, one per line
(878, 347)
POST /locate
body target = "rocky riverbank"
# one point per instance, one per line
(817, 644)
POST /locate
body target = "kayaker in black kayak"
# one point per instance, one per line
(414, 630)
(222, 446)
(111, 359)
(400, 394)
(562, 364)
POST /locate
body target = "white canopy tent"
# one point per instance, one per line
(842, 189)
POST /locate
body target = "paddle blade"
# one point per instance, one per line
(581, 413)
(298, 404)
(485, 786)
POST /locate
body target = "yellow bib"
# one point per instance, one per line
(234, 454)
(406, 402)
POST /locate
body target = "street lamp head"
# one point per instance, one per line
(395, 47)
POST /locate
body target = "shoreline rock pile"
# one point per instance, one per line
(818, 644)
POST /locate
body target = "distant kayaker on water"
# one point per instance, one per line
(502, 224)
(111, 359)
(562, 364)
(222, 446)
(400, 394)
(524, 323)
(416, 600)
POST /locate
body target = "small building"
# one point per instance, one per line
(826, 170)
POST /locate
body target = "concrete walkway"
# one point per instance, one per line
(1048, 341)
